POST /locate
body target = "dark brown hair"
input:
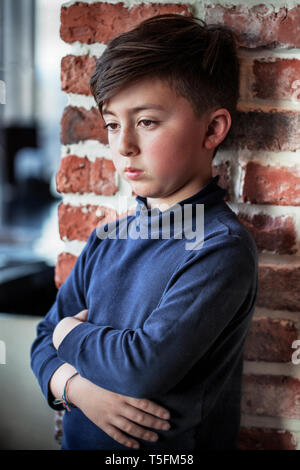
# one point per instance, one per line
(199, 61)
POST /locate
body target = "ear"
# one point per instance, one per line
(218, 128)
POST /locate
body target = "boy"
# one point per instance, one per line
(154, 330)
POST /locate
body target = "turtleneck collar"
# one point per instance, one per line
(185, 217)
(207, 195)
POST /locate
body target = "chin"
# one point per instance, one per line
(143, 192)
(146, 194)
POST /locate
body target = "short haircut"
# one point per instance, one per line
(198, 60)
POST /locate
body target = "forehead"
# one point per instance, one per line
(144, 93)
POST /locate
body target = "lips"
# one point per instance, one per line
(131, 169)
(132, 172)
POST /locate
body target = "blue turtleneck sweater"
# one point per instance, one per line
(170, 305)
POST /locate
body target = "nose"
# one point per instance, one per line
(127, 144)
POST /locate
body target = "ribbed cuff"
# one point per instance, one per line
(71, 344)
(44, 380)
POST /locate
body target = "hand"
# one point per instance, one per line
(114, 413)
(66, 325)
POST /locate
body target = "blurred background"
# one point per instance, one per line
(31, 106)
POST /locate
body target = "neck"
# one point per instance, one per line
(163, 203)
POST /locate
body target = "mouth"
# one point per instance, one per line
(133, 173)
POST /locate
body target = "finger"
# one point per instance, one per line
(149, 406)
(144, 419)
(118, 436)
(134, 430)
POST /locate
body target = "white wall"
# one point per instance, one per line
(26, 420)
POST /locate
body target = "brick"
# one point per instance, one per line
(279, 79)
(278, 287)
(270, 340)
(271, 184)
(64, 265)
(275, 234)
(259, 25)
(102, 177)
(73, 175)
(271, 395)
(79, 124)
(100, 22)
(77, 222)
(266, 439)
(258, 130)
(80, 175)
(76, 72)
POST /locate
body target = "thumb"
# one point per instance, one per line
(82, 316)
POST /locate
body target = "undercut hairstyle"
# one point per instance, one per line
(199, 62)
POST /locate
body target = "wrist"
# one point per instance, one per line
(80, 390)
(67, 401)
(59, 379)
(74, 390)
(64, 400)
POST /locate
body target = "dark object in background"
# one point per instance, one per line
(27, 288)
(26, 282)
(16, 138)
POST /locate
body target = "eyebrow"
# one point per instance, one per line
(136, 109)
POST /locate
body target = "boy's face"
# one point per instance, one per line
(155, 131)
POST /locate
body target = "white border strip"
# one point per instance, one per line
(78, 48)
(132, 3)
(261, 312)
(284, 424)
(272, 368)
(73, 247)
(274, 4)
(279, 260)
(269, 54)
(280, 105)
(283, 159)
(91, 149)
(81, 101)
(252, 104)
(118, 202)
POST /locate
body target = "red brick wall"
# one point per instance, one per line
(259, 165)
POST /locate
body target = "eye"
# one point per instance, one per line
(147, 123)
(112, 126)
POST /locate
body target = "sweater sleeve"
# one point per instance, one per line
(70, 300)
(211, 289)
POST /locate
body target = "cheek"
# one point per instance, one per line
(166, 155)
(116, 158)
(117, 163)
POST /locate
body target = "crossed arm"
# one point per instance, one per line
(110, 411)
(114, 413)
